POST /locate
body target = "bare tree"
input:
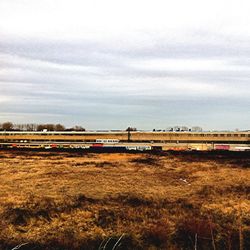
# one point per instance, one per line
(40, 127)
(131, 129)
(31, 127)
(20, 127)
(59, 127)
(49, 127)
(7, 126)
(78, 128)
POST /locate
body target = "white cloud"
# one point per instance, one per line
(132, 56)
(112, 18)
(39, 65)
(4, 99)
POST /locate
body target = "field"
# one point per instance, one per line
(175, 200)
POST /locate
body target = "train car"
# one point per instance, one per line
(97, 145)
(222, 147)
(124, 137)
(241, 148)
(143, 148)
(131, 148)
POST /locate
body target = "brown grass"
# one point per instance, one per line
(60, 200)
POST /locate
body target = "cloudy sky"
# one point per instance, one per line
(111, 64)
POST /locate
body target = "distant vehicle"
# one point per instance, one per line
(222, 147)
(131, 148)
(107, 141)
(97, 145)
(242, 148)
(143, 148)
(194, 148)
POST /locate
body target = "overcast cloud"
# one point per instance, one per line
(111, 64)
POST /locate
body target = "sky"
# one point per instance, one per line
(113, 64)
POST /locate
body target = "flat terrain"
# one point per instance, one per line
(60, 200)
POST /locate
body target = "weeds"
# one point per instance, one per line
(63, 200)
(147, 160)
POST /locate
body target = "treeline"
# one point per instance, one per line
(9, 126)
(131, 129)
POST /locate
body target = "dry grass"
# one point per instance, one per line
(59, 200)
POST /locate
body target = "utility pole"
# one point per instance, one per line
(129, 134)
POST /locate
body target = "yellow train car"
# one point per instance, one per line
(123, 136)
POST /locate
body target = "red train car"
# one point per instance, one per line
(222, 147)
